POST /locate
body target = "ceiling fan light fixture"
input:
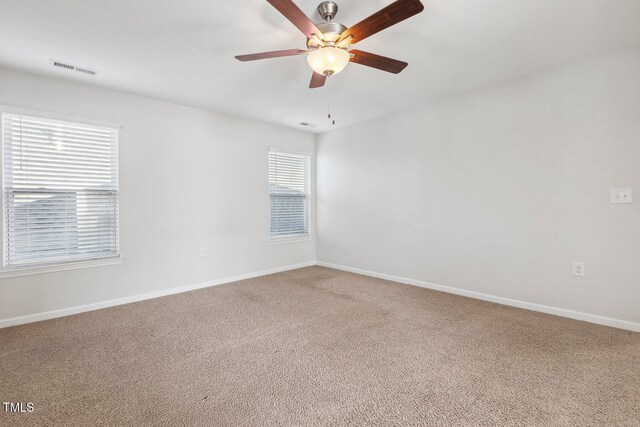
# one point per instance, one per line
(329, 42)
(328, 60)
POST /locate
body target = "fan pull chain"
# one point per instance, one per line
(329, 104)
(333, 111)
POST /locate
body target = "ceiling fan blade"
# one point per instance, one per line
(376, 61)
(296, 16)
(396, 12)
(317, 80)
(272, 54)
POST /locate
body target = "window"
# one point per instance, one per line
(289, 194)
(60, 192)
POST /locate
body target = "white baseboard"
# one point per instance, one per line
(592, 318)
(5, 323)
(577, 315)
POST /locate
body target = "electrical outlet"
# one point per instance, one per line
(621, 195)
(578, 269)
(203, 252)
(328, 240)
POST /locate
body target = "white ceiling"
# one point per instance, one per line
(183, 51)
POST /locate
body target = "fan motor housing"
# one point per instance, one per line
(331, 32)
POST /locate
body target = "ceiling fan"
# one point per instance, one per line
(328, 43)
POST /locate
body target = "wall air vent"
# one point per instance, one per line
(63, 65)
(71, 67)
(86, 71)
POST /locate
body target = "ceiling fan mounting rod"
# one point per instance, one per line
(328, 10)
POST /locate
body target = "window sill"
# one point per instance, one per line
(4, 274)
(285, 239)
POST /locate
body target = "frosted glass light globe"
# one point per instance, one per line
(328, 60)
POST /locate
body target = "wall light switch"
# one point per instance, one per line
(621, 195)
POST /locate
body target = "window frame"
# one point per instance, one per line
(61, 265)
(277, 240)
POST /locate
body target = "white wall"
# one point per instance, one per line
(188, 179)
(497, 191)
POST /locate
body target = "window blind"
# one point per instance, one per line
(289, 194)
(60, 191)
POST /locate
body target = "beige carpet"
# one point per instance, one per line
(317, 346)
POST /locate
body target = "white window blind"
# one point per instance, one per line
(289, 193)
(60, 191)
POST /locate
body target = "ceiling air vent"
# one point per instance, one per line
(311, 125)
(71, 67)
